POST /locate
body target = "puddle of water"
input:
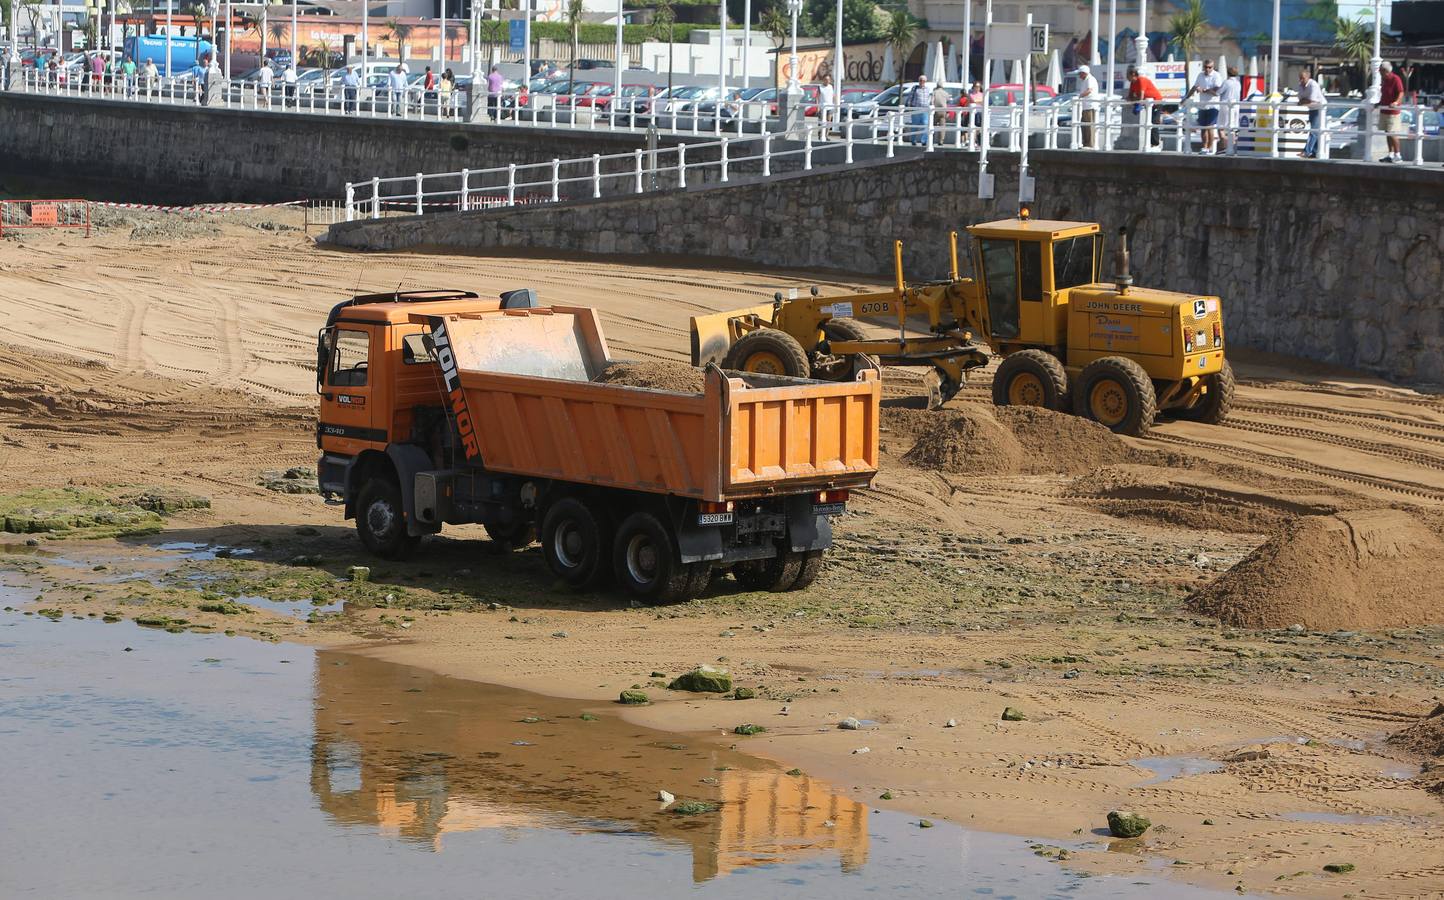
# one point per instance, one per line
(203, 765)
(298, 609)
(1335, 818)
(1166, 768)
(194, 550)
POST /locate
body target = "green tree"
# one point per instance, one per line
(776, 24)
(901, 34)
(860, 19)
(1354, 39)
(400, 32)
(279, 31)
(664, 24)
(1323, 13)
(573, 22)
(1187, 28)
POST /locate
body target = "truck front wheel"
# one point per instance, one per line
(575, 543)
(644, 559)
(381, 520)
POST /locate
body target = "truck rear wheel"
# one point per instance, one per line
(381, 520)
(807, 572)
(768, 351)
(644, 559)
(1215, 405)
(1115, 392)
(776, 574)
(1031, 378)
(513, 536)
(576, 544)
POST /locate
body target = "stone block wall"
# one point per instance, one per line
(1335, 262)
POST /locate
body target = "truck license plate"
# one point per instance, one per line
(722, 518)
(829, 509)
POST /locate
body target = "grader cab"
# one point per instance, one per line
(1110, 351)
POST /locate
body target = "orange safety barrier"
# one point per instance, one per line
(18, 215)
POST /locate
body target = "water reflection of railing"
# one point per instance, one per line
(419, 757)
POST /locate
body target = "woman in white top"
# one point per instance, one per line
(1228, 98)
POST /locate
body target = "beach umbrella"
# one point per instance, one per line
(929, 55)
(951, 69)
(1222, 65)
(1054, 78)
(937, 72)
(1017, 71)
(1000, 72)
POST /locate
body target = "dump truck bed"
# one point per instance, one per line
(523, 377)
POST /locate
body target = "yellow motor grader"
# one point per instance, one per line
(1110, 351)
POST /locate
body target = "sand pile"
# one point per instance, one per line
(662, 376)
(1366, 570)
(985, 440)
(1425, 737)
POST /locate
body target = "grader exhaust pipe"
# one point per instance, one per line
(1124, 278)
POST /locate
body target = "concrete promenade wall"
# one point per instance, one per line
(1336, 262)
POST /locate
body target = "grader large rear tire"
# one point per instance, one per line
(1031, 378)
(1115, 392)
(768, 351)
(841, 367)
(1215, 405)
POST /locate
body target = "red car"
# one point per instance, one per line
(634, 95)
(812, 94)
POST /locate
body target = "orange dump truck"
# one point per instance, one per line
(445, 408)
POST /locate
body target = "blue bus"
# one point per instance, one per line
(185, 52)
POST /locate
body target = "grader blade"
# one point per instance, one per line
(713, 335)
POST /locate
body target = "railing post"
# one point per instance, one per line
(596, 175)
(1418, 134)
(350, 201)
(807, 151)
(767, 156)
(724, 159)
(929, 138)
(848, 143)
(681, 165)
(638, 158)
(891, 134)
(556, 179)
(1274, 144)
(465, 190)
(1323, 147)
(376, 198)
(511, 184)
(419, 181)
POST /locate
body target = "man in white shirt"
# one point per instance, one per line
(1207, 86)
(266, 77)
(824, 106)
(288, 78)
(1228, 98)
(1088, 96)
(1312, 96)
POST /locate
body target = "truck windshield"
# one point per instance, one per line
(1073, 261)
(349, 356)
(1000, 273)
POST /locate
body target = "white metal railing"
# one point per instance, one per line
(1268, 128)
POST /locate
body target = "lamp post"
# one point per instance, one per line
(1093, 58)
(1376, 77)
(746, 44)
(967, 72)
(1141, 42)
(1274, 86)
(794, 7)
(839, 68)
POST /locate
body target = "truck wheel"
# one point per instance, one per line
(515, 536)
(1115, 392)
(381, 520)
(575, 544)
(699, 579)
(839, 368)
(776, 574)
(768, 351)
(1031, 378)
(1216, 404)
(644, 559)
(810, 568)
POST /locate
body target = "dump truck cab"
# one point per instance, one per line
(443, 408)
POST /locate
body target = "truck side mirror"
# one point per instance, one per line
(323, 356)
(521, 298)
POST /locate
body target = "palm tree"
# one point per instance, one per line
(901, 34)
(1355, 42)
(664, 22)
(400, 32)
(575, 9)
(278, 31)
(1187, 28)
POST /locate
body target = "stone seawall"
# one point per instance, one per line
(1335, 262)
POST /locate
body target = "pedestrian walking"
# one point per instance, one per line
(920, 100)
(428, 89)
(1088, 95)
(1391, 117)
(445, 90)
(495, 83)
(265, 79)
(127, 73)
(397, 83)
(1311, 95)
(975, 100)
(827, 96)
(150, 77)
(1228, 99)
(1141, 89)
(1207, 86)
(940, 100)
(97, 71)
(42, 61)
(350, 83)
(288, 84)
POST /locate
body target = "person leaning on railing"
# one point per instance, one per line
(1391, 117)
(1312, 96)
(1088, 103)
(1140, 90)
(1229, 97)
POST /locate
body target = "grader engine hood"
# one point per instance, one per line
(1172, 335)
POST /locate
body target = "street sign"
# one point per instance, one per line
(517, 34)
(1038, 39)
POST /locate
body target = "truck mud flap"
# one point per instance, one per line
(806, 530)
(408, 461)
(696, 543)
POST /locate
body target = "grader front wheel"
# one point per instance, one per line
(1031, 378)
(768, 351)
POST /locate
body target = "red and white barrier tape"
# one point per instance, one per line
(151, 207)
